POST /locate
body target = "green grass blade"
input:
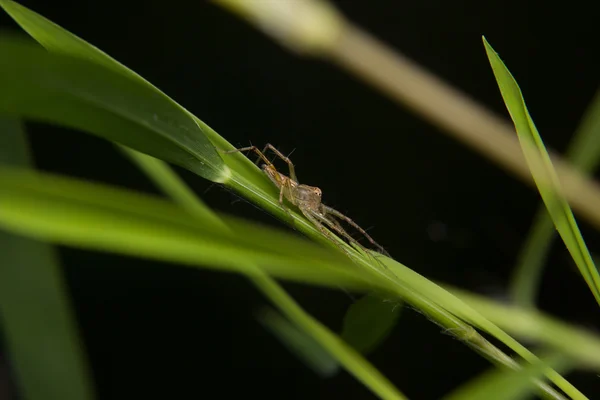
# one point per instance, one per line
(583, 152)
(73, 92)
(369, 321)
(98, 217)
(501, 384)
(543, 173)
(37, 320)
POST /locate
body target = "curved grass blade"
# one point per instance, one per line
(78, 213)
(369, 321)
(37, 319)
(69, 91)
(543, 172)
(583, 152)
(500, 384)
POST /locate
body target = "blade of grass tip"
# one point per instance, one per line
(39, 326)
(583, 152)
(502, 384)
(319, 337)
(543, 172)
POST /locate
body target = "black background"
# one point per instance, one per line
(162, 331)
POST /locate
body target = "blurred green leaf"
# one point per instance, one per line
(78, 213)
(543, 172)
(38, 323)
(369, 321)
(73, 92)
(505, 384)
(304, 346)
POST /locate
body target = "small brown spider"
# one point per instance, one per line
(307, 199)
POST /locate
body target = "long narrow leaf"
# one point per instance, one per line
(36, 316)
(583, 152)
(72, 212)
(543, 172)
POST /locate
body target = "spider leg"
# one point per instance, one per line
(333, 224)
(254, 149)
(281, 195)
(313, 217)
(279, 154)
(336, 213)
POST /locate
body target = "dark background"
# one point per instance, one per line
(162, 331)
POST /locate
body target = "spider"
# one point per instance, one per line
(307, 199)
